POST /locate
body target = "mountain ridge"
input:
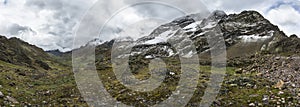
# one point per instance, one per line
(237, 29)
(224, 28)
(16, 51)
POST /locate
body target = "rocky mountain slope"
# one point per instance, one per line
(31, 77)
(18, 52)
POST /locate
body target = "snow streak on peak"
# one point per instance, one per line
(95, 42)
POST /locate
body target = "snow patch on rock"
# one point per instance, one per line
(253, 38)
(161, 38)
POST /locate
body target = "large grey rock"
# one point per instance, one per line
(11, 99)
(1, 95)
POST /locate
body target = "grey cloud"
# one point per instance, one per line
(16, 29)
(36, 3)
(155, 10)
(238, 5)
(46, 4)
(66, 16)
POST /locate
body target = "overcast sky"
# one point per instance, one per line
(50, 24)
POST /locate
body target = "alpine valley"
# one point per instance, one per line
(262, 64)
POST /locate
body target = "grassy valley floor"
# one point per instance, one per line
(242, 86)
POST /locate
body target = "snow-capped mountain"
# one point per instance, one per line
(95, 42)
(240, 32)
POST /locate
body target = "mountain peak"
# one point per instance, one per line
(294, 36)
(218, 14)
(248, 23)
(250, 12)
(248, 17)
(95, 42)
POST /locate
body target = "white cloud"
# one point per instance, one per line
(287, 17)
